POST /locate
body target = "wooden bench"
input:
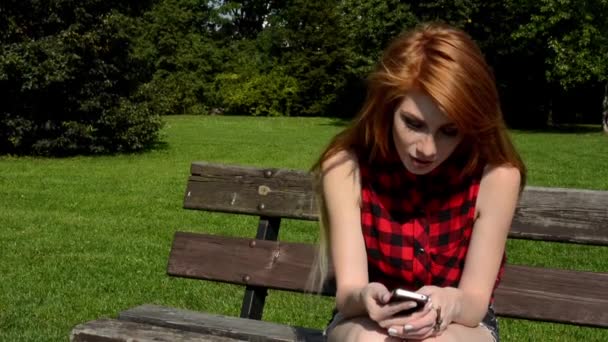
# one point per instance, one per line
(263, 262)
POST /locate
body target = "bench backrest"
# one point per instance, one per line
(548, 214)
(566, 215)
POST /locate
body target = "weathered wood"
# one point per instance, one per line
(558, 214)
(525, 292)
(233, 327)
(272, 264)
(109, 330)
(255, 297)
(554, 295)
(551, 214)
(245, 190)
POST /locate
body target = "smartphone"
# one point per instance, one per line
(402, 295)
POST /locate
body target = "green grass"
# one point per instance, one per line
(86, 237)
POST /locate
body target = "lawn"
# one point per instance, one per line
(86, 237)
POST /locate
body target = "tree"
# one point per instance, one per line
(306, 38)
(605, 110)
(244, 19)
(574, 37)
(179, 41)
(67, 78)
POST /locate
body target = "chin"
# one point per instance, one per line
(420, 171)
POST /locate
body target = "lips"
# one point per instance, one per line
(421, 163)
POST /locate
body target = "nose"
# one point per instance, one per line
(426, 147)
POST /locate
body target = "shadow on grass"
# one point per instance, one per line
(565, 129)
(157, 146)
(338, 122)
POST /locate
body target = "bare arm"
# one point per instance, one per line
(496, 203)
(341, 191)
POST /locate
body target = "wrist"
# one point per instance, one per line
(353, 303)
(459, 300)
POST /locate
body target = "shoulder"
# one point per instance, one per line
(500, 176)
(340, 174)
(499, 187)
(341, 163)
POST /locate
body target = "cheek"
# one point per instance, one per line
(403, 137)
(447, 146)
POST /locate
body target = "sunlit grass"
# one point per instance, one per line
(87, 237)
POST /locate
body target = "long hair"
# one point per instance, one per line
(444, 63)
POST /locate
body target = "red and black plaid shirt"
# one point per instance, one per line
(417, 228)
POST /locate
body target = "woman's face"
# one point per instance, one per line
(423, 135)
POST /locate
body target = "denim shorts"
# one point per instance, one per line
(489, 322)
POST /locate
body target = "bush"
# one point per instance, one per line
(69, 89)
(271, 94)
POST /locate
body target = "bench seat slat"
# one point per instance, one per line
(225, 326)
(525, 292)
(110, 330)
(550, 214)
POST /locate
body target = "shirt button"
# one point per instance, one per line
(420, 250)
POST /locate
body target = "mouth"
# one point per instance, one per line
(421, 162)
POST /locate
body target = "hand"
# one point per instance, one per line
(419, 325)
(376, 299)
(432, 321)
(445, 303)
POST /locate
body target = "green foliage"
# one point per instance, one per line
(549, 57)
(310, 42)
(67, 75)
(269, 94)
(66, 65)
(176, 40)
(575, 37)
(372, 24)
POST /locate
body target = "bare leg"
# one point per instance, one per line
(359, 329)
(460, 333)
(364, 329)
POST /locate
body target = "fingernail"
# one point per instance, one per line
(392, 331)
(408, 327)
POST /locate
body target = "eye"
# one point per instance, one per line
(412, 124)
(449, 131)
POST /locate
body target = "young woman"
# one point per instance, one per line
(419, 193)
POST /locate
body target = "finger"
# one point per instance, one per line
(420, 326)
(397, 307)
(386, 297)
(381, 295)
(427, 290)
(420, 335)
(422, 312)
(410, 332)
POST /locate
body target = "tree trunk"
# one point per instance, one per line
(605, 110)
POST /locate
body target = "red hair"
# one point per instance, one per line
(447, 65)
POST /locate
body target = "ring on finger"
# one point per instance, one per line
(438, 320)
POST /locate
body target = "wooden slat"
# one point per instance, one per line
(254, 191)
(558, 214)
(109, 330)
(550, 214)
(554, 295)
(241, 261)
(233, 327)
(525, 292)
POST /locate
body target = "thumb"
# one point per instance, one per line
(385, 297)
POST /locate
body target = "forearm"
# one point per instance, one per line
(470, 307)
(350, 302)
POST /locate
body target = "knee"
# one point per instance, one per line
(369, 336)
(359, 330)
